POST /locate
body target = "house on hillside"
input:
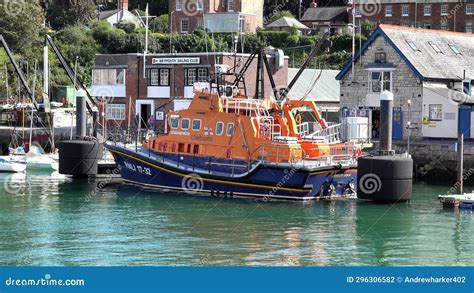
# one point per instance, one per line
(327, 19)
(287, 24)
(215, 15)
(120, 14)
(430, 74)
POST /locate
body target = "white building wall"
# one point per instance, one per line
(448, 126)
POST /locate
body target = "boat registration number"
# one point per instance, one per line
(137, 168)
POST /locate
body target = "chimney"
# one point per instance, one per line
(123, 5)
(314, 4)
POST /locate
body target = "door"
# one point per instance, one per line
(465, 121)
(144, 109)
(397, 133)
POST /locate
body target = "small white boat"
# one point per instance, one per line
(458, 200)
(37, 160)
(12, 167)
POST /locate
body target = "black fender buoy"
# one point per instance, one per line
(79, 158)
(385, 178)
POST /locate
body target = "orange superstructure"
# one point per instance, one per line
(243, 129)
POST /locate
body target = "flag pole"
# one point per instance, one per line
(353, 38)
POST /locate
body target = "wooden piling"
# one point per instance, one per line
(460, 163)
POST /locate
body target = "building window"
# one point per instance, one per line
(108, 76)
(193, 75)
(380, 81)
(444, 9)
(185, 124)
(200, 22)
(427, 25)
(116, 111)
(388, 11)
(196, 124)
(184, 25)
(435, 47)
(455, 49)
(444, 25)
(469, 9)
(159, 77)
(436, 112)
(427, 10)
(358, 11)
(190, 76)
(468, 27)
(199, 5)
(179, 5)
(405, 10)
(220, 128)
(241, 24)
(230, 5)
(230, 129)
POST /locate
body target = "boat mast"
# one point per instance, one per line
(32, 109)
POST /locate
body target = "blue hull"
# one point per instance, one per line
(228, 178)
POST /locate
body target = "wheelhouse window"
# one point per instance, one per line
(380, 81)
(159, 77)
(196, 124)
(219, 128)
(436, 112)
(108, 76)
(230, 129)
(174, 121)
(116, 111)
(185, 123)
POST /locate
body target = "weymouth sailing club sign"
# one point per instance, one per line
(180, 60)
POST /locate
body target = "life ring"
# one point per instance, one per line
(298, 118)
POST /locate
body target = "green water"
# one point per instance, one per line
(52, 221)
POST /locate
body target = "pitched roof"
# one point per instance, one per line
(326, 89)
(324, 13)
(287, 22)
(103, 15)
(433, 55)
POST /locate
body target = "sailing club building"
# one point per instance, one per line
(130, 87)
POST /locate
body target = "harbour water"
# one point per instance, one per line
(50, 220)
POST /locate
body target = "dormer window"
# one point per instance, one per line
(380, 57)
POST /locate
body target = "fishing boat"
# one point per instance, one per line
(11, 167)
(228, 144)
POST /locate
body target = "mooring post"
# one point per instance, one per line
(81, 119)
(460, 182)
(386, 117)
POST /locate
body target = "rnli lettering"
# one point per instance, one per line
(201, 138)
(137, 168)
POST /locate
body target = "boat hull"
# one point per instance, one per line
(268, 182)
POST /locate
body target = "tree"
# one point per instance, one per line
(21, 23)
(62, 13)
(160, 24)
